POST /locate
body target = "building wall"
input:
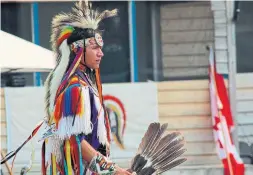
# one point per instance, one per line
(186, 29)
(185, 106)
(220, 35)
(245, 107)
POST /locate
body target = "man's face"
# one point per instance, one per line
(93, 54)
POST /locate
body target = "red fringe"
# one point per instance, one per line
(43, 163)
(76, 100)
(59, 169)
(58, 109)
(75, 154)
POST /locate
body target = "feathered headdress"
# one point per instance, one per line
(68, 31)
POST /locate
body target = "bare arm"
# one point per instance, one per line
(88, 153)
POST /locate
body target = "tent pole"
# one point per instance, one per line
(35, 36)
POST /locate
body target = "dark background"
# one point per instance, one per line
(16, 19)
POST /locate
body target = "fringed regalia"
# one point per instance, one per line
(74, 100)
(78, 115)
(75, 110)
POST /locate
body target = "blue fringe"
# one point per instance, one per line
(67, 101)
(51, 170)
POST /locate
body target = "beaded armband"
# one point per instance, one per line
(101, 166)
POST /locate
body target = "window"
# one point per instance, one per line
(115, 66)
(244, 37)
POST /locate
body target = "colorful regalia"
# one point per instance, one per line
(74, 102)
(75, 109)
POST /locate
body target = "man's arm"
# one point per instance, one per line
(89, 154)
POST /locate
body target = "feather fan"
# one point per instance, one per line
(158, 152)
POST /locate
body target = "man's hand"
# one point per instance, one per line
(121, 171)
(108, 149)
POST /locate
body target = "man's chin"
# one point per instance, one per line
(95, 67)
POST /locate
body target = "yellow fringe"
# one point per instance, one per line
(68, 157)
(82, 103)
(53, 165)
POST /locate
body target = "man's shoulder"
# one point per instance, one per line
(76, 80)
(72, 83)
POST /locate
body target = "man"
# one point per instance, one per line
(78, 138)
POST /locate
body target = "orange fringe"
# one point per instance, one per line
(98, 81)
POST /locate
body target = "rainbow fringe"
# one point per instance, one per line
(70, 102)
(72, 159)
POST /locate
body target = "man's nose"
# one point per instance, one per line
(100, 53)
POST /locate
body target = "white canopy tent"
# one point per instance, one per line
(19, 55)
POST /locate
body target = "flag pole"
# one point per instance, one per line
(231, 171)
(219, 106)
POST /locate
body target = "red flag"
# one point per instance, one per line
(223, 122)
